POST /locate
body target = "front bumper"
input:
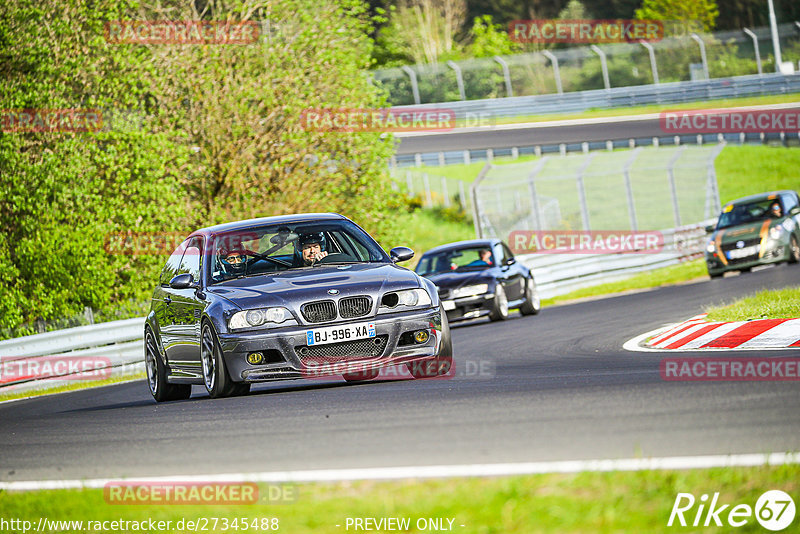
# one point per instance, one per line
(468, 307)
(775, 253)
(285, 345)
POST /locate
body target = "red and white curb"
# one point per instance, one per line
(698, 334)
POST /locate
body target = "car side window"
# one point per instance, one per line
(191, 259)
(173, 264)
(789, 202)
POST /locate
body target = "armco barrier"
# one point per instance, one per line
(119, 344)
(623, 97)
(557, 274)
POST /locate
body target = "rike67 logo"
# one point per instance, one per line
(774, 510)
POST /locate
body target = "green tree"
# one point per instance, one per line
(704, 13)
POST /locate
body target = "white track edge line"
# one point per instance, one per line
(435, 471)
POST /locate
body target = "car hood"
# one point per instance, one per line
(451, 279)
(744, 232)
(293, 287)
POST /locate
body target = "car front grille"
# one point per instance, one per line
(350, 307)
(334, 352)
(747, 243)
(319, 311)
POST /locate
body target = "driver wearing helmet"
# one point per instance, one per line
(233, 261)
(775, 210)
(312, 248)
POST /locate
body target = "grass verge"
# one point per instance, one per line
(638, 501)
(771, 304)
(78, 384)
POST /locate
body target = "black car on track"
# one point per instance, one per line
(478, 278)
(285, 298)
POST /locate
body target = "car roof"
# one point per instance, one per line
(278, 219)
(463, 244)
(758, 197)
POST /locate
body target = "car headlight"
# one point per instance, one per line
(258, 317)
(408, 297)
(470, 291)
(776, 232)
(710, 248)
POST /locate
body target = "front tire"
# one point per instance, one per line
(499, 311)
(160, 388)
(794, 251)
(532, 304)
(215, 376)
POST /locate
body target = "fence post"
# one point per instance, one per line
(462, 195)
(712, 182)
(755, 47)
(653, 66)
(603, 64)
(476, 209)
(582, 192)
(556, 73)
(414, 87)
(673, 189)
(506, 74)
(537, 217)
(459, 80)
(427, 184)
(445, 194)
(702, 54)
(629, 188)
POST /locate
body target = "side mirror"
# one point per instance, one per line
(511, 261)
(710, 228)
(399, 254)
(183, 281)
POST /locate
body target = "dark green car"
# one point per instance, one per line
(755, 230)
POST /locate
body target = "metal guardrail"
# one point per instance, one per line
(622, 97)
(557, 274)
(118, 344)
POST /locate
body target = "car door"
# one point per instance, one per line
(187, 309)
(162, 302)
(515, 280)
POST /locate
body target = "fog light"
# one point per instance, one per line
(254, 358)
(421, 336)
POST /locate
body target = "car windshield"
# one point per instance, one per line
(273, 249)
(747, 213)
(462, 259)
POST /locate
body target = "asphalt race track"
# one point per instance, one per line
(568, 131)
(562, 388)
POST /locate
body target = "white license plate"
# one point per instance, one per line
(337, 334)
(448, 305)
(743, 252)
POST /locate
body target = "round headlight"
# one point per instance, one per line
(255, 317)
(710, 247)
(276, 315)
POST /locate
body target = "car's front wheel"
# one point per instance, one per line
(157, 373)
(532, 303)
(215, 376)
(499, 311)
(794, 250)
